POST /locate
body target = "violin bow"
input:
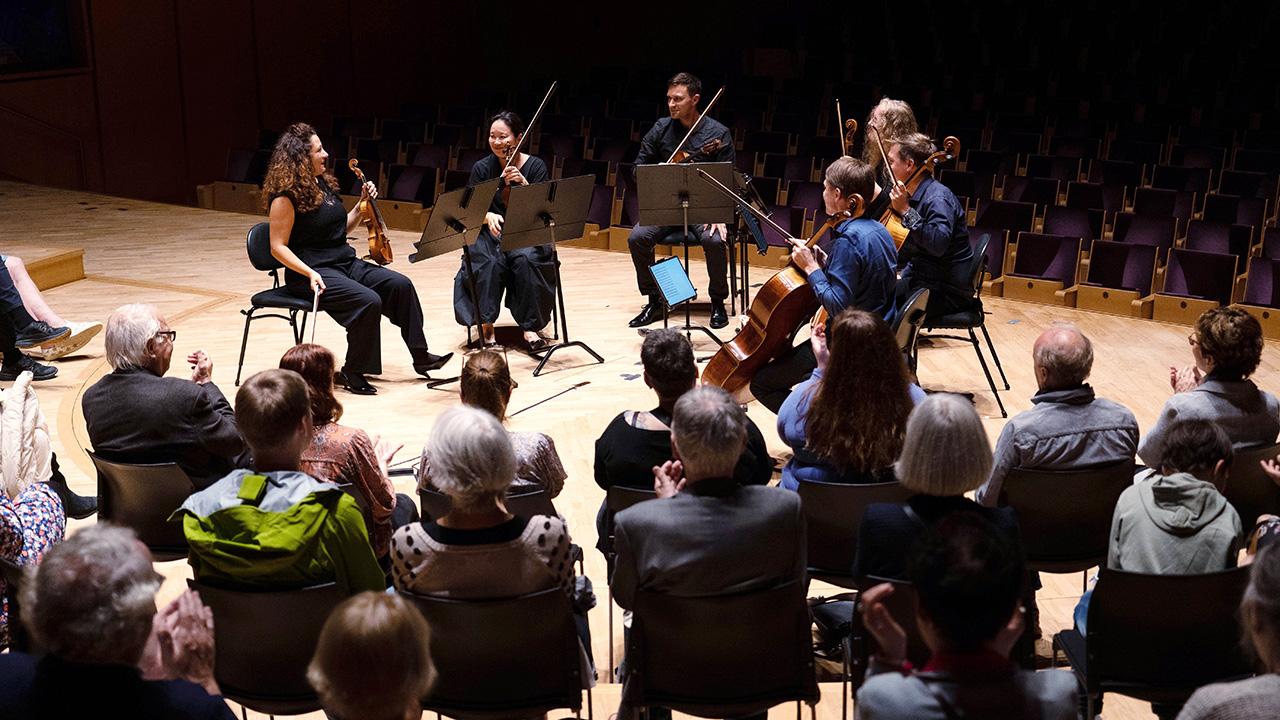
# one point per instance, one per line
(695, 125)
(746, 205)
(883, 155)
(515, 153)
(844, 145)
(315, 307)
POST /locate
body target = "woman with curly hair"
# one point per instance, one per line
(846, 422)
(309, 237)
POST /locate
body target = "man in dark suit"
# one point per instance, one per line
(136, 415)
(706, 534)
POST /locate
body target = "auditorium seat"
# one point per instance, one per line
(1249, 211)
(1200, 275)
(1145, 230)
(1219, 237)
(1122, 173)
(807, 195)
(1039, 191)
(1074, 222)
(1122, 266)
(1010, 215)
(412, 183)
(1062, 169)
(428, 155)
(1046, 257)
(1161, 202)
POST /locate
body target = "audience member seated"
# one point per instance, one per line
(1257, 697)
(478, 550)
(380, 632)
(486, 384)
(345, 455)
(272, 526)
(637, 441)
(945, 454)
(1069, 428)
(1227, 347)
(137, 415)
(845, 423)
(1176, 521)
(21, 334)
(91, 607)
(36, 306)
(967, 575)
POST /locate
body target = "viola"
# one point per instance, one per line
(782, 305)
(379, 245)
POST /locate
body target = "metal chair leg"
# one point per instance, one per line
(977, 348)
(610, 610)
(994, 356)
(244, 341)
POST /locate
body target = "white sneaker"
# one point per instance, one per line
(81, 334)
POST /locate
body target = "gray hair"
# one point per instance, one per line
(1065, 354)
(129, 329)
(710, 429)
(945, 451)
(92, 598)
(470, 455)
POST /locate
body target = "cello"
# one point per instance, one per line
(781, 306)
(379, 246)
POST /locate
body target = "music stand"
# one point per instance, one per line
(536, 214)
(455, 222)
(675, 195)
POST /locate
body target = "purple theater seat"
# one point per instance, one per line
(1039, 191)
(768, 187)
(997, 239)
(1263, 286)
(1197, 156)
(1122, 266)
(1142, 152)
(1182, 179)
(347, 182)
(454, 179)
(763, 141)
(790, 218)
(1247, 184)
(965, 184)
(1234, 209)
(405, 131)
(468, 157)
(615, 150)
(1144, 230)
(448, 135)
(1263, 161)
(559, 144)
(412, 183)
(1085, 224)
(1007, 214)
(1160, 202)
(1200, 275)
(614, 128)
(600, 211)
(1220, 238)
(1063, 169)
(1048, 257)
(428, 155)
(387, 151)
(989, 164)
(807, 195)
(574, 167)
(1016, 141)
(1112, 173)
(788, 167)
(239, 165)
(1271, 243)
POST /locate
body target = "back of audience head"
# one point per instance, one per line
(867, 364)
(486, 383)
(1260, 610)
(373, 631)
(92, 597)
(708, 432)
(945, 451)
(316, 365)
(669, 367)
(1063, 358)
(132, 342)
(968, 576)
(471, 457)
(1198, 447)
(1228, 341)
(268, 405)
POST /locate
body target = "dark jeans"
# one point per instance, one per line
(773, 382)
(13, 316)
(644, 238)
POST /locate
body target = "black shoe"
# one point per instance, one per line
(39, 371)
(354, 382)
(433, 362)
(719, 318)
(39, 333)
(651, 314)
(76, 507)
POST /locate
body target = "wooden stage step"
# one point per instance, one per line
(50, 267)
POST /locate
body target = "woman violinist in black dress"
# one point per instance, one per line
(526, 274)
(309, 237)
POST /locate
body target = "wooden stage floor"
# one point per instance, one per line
(191, 263)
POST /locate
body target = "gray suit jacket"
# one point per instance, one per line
(714, 537)
(1250, 417)
(134, 416)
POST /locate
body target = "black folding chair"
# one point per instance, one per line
(616, 500)
(832, 513)
(1249, 489)
(258, 246)
(143, 497)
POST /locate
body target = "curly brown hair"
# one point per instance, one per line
(1232, 338)
(858, 415)
(289, 172)
(315, 364)
(893, 119)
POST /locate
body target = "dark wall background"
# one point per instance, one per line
(167, 86)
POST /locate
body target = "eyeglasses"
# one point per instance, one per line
(1192, 340)
(170, 335)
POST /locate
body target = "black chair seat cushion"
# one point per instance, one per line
(953, 321)
(280, 298)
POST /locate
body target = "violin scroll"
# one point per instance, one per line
(379, 245)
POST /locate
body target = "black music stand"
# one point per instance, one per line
(674, 194)
(536, 215)
(455, 222)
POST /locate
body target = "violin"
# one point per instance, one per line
(513, 153)
(784, 303)
(680, 155)
(708, 148)
(850, 130)
(379, 246)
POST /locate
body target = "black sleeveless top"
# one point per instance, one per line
(319, 237)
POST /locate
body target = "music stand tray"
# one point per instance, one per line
(549, 213)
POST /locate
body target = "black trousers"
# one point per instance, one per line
(527, 275)
(13, 316)
(773, 382)
(644, 238)
(357, 294)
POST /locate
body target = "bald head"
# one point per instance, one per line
(1063, 357)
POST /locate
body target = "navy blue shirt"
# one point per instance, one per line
(936, 252)
(860, 270)
(666, 134)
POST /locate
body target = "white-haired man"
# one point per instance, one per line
(1070, 428)
(137, 415)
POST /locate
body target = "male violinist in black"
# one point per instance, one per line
(710, 142)
(936, 253)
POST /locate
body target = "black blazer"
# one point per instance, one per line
(134, 416)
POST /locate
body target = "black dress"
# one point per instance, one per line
(527, 275)
(357, 293)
